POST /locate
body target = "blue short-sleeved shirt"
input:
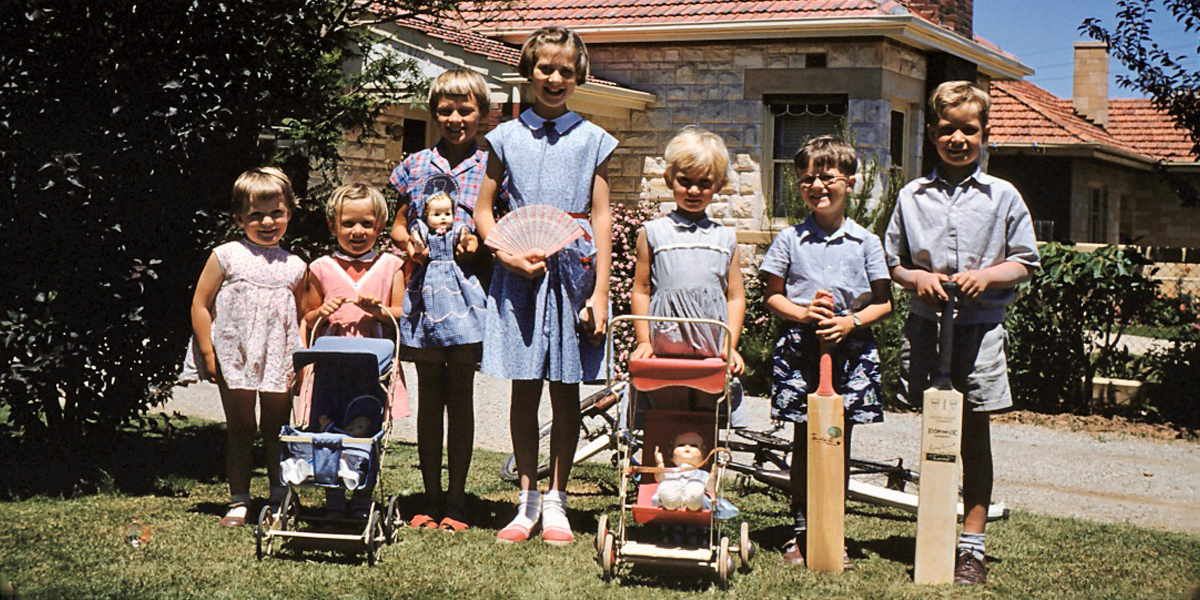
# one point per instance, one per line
(944, 228)
(844, 262)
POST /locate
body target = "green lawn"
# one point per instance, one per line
(74, 548)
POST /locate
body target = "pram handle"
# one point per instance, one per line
(727, 342)
(312, 336)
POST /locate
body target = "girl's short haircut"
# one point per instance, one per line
(698, 150)
(262, 182)
(461, 82)
(826, 151)
(952, 94)
(558, 36)
(356, 191)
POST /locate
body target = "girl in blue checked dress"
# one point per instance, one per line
(533, 332)
(687, 266)
(441, 329)
(828, 280)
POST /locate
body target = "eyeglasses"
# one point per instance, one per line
(826, 180)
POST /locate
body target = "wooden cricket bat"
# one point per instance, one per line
(826, 473)
(941, 437)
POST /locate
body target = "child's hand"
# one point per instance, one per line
(417, 250)
(530, 266)
(658, 458)
(929, 288)
(370, 304)
(330, 306)
(599, 324)
(210, 367)
(324, 421)
(836, 329)
(467, 246)
(643, 350)
(971, 283)
(739, 364)
(821, 307)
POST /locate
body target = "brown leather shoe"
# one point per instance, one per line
(792, 554)
(969, 570)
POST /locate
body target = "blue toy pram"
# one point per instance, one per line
(351, 385)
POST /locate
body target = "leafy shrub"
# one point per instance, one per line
(1067, 324)
(119, 144)
(627, 220)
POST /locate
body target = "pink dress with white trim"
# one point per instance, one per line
(352, 321)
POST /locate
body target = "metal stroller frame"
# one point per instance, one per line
(711, 375)
(381, 356)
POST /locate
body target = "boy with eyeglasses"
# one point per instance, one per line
(828, 280)
(960, 224)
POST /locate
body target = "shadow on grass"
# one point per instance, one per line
(129, 461)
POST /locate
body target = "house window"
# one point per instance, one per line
(795, 121)
(1098, 215)
(897, 139)
(1125, 236)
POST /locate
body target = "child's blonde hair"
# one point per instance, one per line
(957, 93)
(261, 182)
(356, 191)
(461, 82)
(558, 36)
(826, 151)
(697, 150)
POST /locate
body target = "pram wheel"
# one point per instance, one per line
(394, 522)
(601, 531)
(608, 555)
(745, 546)
(374, 537)
(724, 564)
(264, 542)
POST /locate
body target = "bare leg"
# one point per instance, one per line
(564, 433)
(431, 381)
(239, 436)
(460, 416)
(276, 409)
(977, 470)
(522, 418)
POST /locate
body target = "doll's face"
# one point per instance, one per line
(359, 427)
(439, 213)
(689, 449)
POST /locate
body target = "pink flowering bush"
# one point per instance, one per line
(627, 219)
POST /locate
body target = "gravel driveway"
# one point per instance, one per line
(1106, 477)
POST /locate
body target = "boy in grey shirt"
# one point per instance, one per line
(960, 224)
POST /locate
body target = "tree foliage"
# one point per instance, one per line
(122, 127)
(1164, 77)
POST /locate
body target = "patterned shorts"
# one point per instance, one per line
(856, 375)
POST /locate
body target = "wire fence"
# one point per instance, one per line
(1175, 313)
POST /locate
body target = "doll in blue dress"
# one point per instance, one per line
(443, 305)
(533, 333)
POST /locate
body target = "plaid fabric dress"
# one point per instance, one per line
(443, 306)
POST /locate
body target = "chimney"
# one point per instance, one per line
(1090, 95)
(955, 15)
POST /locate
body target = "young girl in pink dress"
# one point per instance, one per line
(244, 319)
(353, 290)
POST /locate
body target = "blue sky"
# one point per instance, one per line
(1041, 34)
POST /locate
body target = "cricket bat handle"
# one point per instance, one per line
(825, 383)
(946, 331)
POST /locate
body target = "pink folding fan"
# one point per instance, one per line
(535, 226)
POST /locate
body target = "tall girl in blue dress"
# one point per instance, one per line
(688, 267)
(533, 333)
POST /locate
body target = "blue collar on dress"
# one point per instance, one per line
(682, 222)
(562, 124)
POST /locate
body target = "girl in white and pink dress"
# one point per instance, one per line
(353, 289)
(245, 322)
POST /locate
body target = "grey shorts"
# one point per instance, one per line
(979, 368)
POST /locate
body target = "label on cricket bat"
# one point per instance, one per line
(830, 437)
(945, 458)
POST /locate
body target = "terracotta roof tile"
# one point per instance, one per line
(1025, 113)
(575, 13)
(477, 44)
(1149, 129)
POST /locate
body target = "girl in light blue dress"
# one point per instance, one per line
(688, 267)
(533, 330)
